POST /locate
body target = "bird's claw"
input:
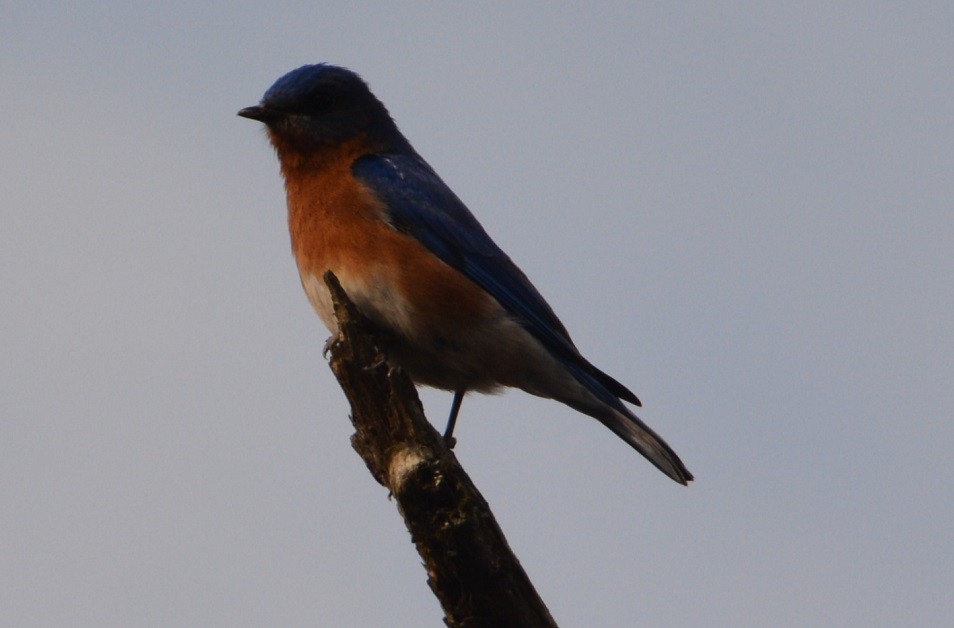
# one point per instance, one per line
(378, 360)
(332, 339)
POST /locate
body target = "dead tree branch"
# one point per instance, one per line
(470, 567)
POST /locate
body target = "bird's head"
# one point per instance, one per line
(323, 105)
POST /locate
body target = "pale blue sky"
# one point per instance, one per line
(743, 212)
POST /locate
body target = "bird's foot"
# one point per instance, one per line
(329, 343)
(379, 359)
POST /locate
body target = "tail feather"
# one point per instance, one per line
(640, 437)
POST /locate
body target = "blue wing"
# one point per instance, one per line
(420, 204)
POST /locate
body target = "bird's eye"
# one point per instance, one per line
(320, 102)
(326, 99)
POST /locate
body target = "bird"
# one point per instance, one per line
(414, 260)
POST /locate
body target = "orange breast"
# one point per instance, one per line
(337, 223)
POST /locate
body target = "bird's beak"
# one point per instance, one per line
(257, 112)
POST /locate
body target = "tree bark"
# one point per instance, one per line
(470, 567)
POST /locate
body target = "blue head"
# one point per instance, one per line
(318, 105)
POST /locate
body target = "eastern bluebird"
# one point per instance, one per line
(414, 260)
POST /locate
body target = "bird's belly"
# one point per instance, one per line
(480, 351)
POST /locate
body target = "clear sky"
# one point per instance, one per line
(744, 212)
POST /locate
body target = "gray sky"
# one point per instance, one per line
(743, 212)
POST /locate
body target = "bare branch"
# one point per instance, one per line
(470, 567)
